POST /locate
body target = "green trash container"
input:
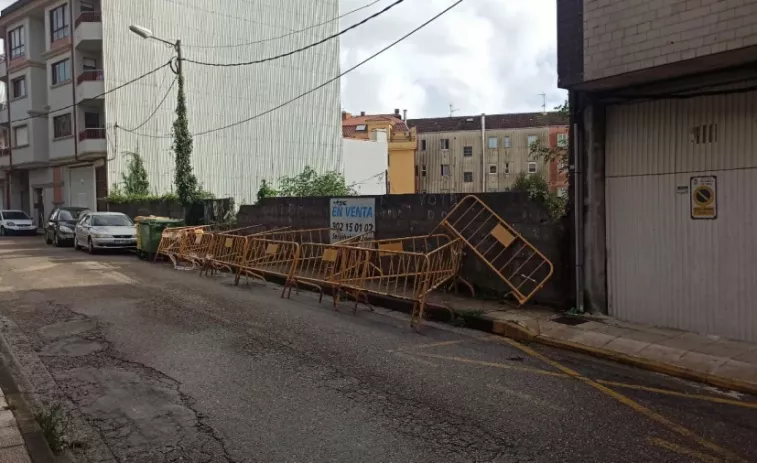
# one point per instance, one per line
(149, 232)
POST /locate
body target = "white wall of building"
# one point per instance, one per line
(231, 162)
(366, 163)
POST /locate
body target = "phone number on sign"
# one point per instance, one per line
(350, 227)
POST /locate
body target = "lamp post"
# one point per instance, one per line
(147, 34)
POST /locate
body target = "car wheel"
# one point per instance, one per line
(2, 231)
(56, 239)
(76, 243)
(90, 246)
(47, 238)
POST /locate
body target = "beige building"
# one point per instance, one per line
(484, 153)
(664, 98)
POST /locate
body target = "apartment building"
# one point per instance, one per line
(664, 104)
(402, 145)
(70, 131)
(485, 153)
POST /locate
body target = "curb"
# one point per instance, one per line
(519, 333)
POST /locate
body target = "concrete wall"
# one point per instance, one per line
(631, 35)
(413, 215)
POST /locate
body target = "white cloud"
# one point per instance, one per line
(488, 56)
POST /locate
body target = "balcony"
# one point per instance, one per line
(92, 142)
(3, 68)
(88, 31)
(90, 86)
(4, 113)
(5, 158)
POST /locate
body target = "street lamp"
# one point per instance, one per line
(146, 33)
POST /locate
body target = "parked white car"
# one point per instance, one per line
(16, 223)
(105, 230)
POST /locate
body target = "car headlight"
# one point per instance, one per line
(11, 224)
(65, 229)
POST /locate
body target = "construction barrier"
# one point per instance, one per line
(522, 267)
(172, 239)
(197, 244)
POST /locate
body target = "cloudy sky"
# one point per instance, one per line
(489, 56)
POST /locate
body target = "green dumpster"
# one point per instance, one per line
(149, 232)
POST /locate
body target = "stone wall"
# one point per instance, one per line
(411, 215)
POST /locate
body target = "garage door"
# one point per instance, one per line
(81, 187)
(681, 201)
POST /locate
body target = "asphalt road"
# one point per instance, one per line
(154, 364)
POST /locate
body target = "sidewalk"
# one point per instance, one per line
(709, 359)
(12, 448)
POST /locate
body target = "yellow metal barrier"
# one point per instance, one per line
(224, 252)
(172, 239)
(522, 267)
(263, 257)
(196, 244)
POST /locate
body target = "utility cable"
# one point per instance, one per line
(290, 53)
(270, 39)
(96, 96)
(168, 92)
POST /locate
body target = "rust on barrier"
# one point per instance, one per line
(522, 267)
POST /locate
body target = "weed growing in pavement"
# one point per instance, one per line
(53, 422)
(467, 317)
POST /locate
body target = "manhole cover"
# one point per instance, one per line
(572, 321)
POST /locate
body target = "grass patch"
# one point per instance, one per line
(53, 422)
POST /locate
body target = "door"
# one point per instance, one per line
(91, 120)
(82, 229)
(81, 187)
(39, 207)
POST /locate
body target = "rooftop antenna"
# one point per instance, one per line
(452, 110)
(544, 102)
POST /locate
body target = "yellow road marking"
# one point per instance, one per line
(683, 450)
(434, 344)
(413, 358)
(680, 394)
(652, 415)
(504, 366)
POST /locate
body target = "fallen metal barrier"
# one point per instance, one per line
(522, 267)
(172, 239)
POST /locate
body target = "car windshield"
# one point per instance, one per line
(69, 215)
(111, 221)
(15, 215)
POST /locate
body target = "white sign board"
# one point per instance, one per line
(704, 197)
(352, 217)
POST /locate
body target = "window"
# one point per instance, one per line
(87, 7)
(15, 215)
(493, 169)
(59, 23)
(493, 143)
(361, 128)
(62, 126)
(444, 143)
(507, 168)
(89, 64)
(92, 121)
(17, 41)
(532, 139)
(423, 170)
(423, 145)
(468, 177)
(61, 71)
(114, 220)
(467, 151)
(445, 170)
(21, 135)
(562, 192)
(531, 167)
(19, 87)
(507, 141)
(562, 140)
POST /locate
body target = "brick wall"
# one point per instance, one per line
(414, 215)
(630, 35)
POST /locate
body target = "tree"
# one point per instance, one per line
(537, 189)
(558, 154)
(266, 191)
(184, 179)
(311, 183)
(135, 180)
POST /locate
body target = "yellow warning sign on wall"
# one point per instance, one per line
(704, 197)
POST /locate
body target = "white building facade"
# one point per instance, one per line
(66, 52)
(366, 163)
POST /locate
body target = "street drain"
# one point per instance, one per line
(571, 321)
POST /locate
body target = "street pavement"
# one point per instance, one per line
(154, 364)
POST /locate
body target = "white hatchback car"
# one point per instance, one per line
(16, 223)
(105, 230)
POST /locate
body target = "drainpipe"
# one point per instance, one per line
(575, 140)
(483, 153)
(74, 115)
(9, 176)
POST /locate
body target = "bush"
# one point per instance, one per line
(538, 190)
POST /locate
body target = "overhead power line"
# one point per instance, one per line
(96, 96)
(289, 34)
(307, 47)
(244, 121)
(168, 92)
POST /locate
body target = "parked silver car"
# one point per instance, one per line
(105, 230)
